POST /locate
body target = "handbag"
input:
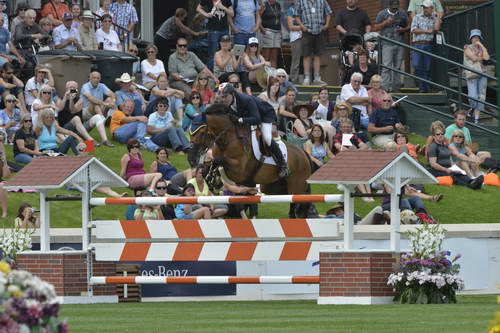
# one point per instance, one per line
(292, 138)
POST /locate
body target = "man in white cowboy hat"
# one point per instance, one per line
(97, 97)
(128, 90)
(87, 32)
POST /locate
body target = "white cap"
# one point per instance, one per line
(253, 40)
(428, 3)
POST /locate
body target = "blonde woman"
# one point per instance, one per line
(376, 92)
(47, 130)
(43, 102)
(463, 156)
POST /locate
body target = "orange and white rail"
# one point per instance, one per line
(254, 199)
(96, 280)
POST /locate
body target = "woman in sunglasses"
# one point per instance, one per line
(47, 130)
(151, 67)
(25, 145)
(193, 109)
(132, 168)
(43, 102)
(107, 38)
(463, 156)
(10, 116)
(201, 85)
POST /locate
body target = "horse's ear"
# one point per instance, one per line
(218, 108)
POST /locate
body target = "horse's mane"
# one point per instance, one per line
(218, 109)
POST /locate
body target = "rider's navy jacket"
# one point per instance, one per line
(253, 110)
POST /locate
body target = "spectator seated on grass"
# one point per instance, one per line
(285, 82)
(188, 211)
(10, 117)
(11, 83)
(403, 143)
(384, 122)
(357, 96)
(46, 131)
(202, 86)
(129, 213)
(240, 210)
(271, 94)
(43, 102)
(27, 217)
(151, 67)
(168, 211)
(162, 90)
(376, 92)
(125, 126)
(148, 212)
(317, 147)
(285, 113)
(302, 126)
(25, 145)
(375, 216)
(323, 113)
(463, 156)
(162, 164)
(132, 168)
(193, 110)
(43, 76)
(201, 189)
(97, 97)
(129, 91)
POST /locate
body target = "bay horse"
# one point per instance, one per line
(232, 147)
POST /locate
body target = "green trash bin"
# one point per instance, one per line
(111, 65)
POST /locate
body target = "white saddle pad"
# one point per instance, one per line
(267, 159)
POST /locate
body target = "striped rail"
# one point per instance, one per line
(276, 279)
(254, 199)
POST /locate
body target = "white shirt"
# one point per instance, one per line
(146, 68)
(30, 86)
(348, 92)
(111, 40)
(34, 114)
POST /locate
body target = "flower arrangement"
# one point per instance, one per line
(27, 304)
(15, 241)
(426, 275)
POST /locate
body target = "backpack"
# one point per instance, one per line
(235, 4)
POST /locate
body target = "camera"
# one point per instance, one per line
(73, 91)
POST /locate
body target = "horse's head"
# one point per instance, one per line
(218, 118)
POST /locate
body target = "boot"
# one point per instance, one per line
(275, 151)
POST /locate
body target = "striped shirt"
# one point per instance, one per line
(422, 22)
(313, 14)
(124, 14)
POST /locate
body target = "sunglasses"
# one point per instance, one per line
(162, 106)
(161, 187)
(439, 134)
(181, 45)
(135, 147)
(134, 51)
(28, 120)
(46, 92)
(107, 21)
(10, 100)
(458, 136)
(195, 97)
(386, 100)
(283, 76)
(150, 52)
(10, 73)
(203, 78)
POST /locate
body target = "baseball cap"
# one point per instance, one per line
(67, 16)
(428, 3)
(394, 4)
(253, 40)
(225, 38)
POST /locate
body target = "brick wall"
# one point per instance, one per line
(355, 274)
(67, 272)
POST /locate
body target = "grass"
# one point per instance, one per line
(460, 205)
(471, 314)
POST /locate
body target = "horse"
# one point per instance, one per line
(232, 148)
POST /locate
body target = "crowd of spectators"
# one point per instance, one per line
(242, 39)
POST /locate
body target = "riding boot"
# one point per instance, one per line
(275, 151)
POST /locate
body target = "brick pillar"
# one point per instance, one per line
(355, 277)
(67, 271)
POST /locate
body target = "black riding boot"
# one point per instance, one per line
(275, 151)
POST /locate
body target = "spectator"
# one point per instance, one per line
(125, 126)
(415, 8)
(71, 117)
(295, 41)
(87, 33)
(239, 210)
(184, 67)
(252, 62)
(97, 97)
(423, 28)
(104, 6)
(21, 9)
(375, 216)
(475, 54)
(285, 113)
(136, 66)
(148, 212)
(163, 165)
(162, 90)
(161, 188)
(246, 20)
(43, 76)
(129, 214)
(46, 131)
(66, 36)
(54, 10)
(44, 101)
(107, 38)
(201, 189)
(323, 113)
(193, 110)
(314, 18)
(10, 117)
(463, 156)
(76, 11)
(201, 86)
(128, 90)
(352, 141)
(302, 126)
(341, 111)
(392, 23)
(132, 167)
(271, 95)
(225, 60)
(364, 67)
(384, 122)
(440, 162)
(25, 145)
(6, 45)
(270, 28)
(164, 129)
(352, 20)
(151, 67)
(199, 44)
(285, 83)
(10, 82)
(403, 143)
(26, 217)
(126, 17)
(46, 43)
(218, 26)
(187, 211)
(317, 147)
(234, 79)
(376, 93)
(459, 124)
(27, 33)
(170, 31)
(357, 95)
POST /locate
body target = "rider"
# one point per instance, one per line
(250, 110)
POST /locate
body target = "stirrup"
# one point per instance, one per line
(283, 172)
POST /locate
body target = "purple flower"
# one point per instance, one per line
(51, 310)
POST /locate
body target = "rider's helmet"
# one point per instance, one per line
(225, 89)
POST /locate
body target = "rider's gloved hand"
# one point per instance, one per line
(233, 118)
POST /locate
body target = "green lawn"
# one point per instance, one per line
(460, 205)
(472, 314)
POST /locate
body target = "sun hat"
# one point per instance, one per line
(476, 32)
(125, 78)
(345, 105)
(332, 210)
(296, 109)
(87, 14)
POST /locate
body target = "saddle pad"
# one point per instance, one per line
(268, 159)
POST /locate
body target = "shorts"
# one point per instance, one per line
(136, 181)
(271, 39)
(86, 115)
(313, 45)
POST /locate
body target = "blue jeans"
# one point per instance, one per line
(476, 88)
(242, 38)
(174, 136)
(136, 130)
(69, 143)
(213, 45)
(137, 108)
(413, 203)
(422, 64)
(23, 158)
